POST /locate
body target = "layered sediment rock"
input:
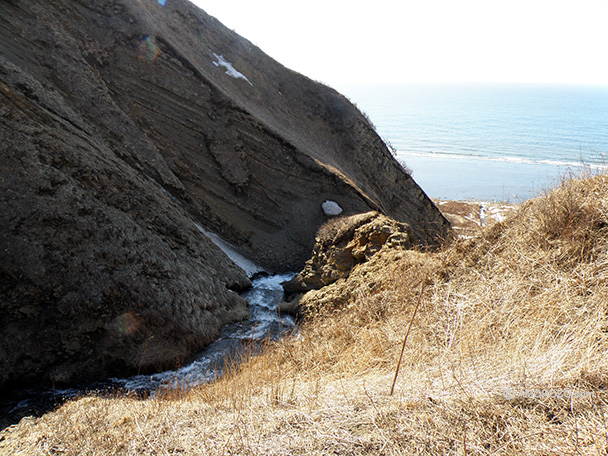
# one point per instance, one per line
(340, 245)
(123, 123)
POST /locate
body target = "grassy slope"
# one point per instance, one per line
(522, 305)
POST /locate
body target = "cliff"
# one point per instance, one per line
(123, 123)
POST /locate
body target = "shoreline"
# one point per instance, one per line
(474, 180)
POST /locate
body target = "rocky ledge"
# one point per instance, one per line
(340, 246)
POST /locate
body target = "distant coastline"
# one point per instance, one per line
(482, 179)
(490, 142)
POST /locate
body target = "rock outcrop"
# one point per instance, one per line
(340, 245)
(125, 122)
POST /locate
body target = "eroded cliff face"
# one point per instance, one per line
(125, 122)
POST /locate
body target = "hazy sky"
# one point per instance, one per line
(353, 42)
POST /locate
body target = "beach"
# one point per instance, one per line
(478, 179)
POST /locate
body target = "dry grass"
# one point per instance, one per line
(522, 305)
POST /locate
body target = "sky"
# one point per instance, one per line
(428, 41)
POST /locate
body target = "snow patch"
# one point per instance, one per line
(230, 70)
(245, 264)
(331, 208)
(498, 214)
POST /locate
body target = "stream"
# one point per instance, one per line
(264, 324)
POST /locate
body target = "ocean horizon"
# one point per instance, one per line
(490, 142)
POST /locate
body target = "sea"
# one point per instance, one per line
(503, 143)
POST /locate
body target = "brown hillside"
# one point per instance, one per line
(506, 356)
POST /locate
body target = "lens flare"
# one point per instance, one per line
(162, 2)
(148, 50)
(127, 323)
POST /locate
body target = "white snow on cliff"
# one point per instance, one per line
(331, 208)
(245, 264)
(230, 70)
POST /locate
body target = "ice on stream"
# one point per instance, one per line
(245, 264)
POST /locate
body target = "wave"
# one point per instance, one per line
(515, 160)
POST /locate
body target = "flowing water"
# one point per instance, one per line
(264, 324)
